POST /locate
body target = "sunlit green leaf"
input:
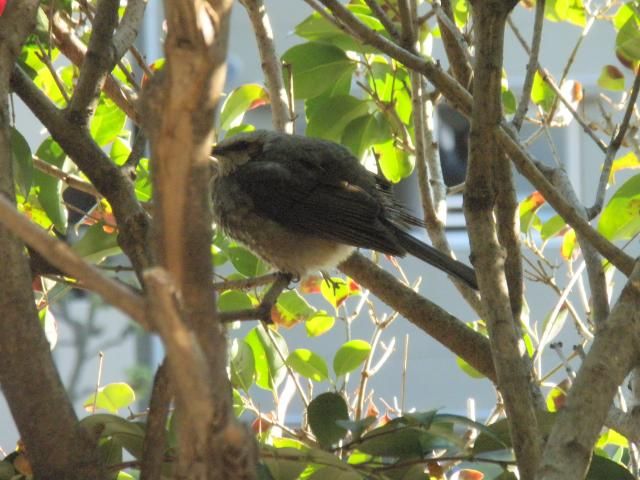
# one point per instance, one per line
(312, 61)
(308, 364)
(49, 325)
(329, 119)
(319, 323)
(111, 397)
(292, 308)
(350, 356)
(242, 365)
(239, 101)
(246, 262)
(270, 370)
(317, 28)
(552, 227)
(628, 40)
(541, 93)
(394, 162)
(335, 291)
(231, 300)
(620, 218)
(107, 122)
(611, 78)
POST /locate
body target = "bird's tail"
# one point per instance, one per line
(434, 257)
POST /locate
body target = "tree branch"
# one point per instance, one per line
(532, 66)
(270, 65)
(454, 44)
(514, 376)
(593, 261)
(98, 62)
(615, 351)
(75, 50)
(57, 447)
(155, 441)
(436, 322)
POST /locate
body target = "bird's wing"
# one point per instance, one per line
(305, 198)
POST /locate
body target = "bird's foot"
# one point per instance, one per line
(327, 278)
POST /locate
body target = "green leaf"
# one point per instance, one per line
(109, 451)
(270, 371)
(319, 323)
(571, 11)
(283, 463)
(611, 78)
(394, 162)
(350, 356)
(242, 365)
(552, 227)
(292, 308)
(238, 404)
(620, 218)
(232, 300)
(557, 397)
(461, 12)
(313, 61)
(495, 437)
(49, 189)
(49, 325)
(129, 434)
(322, 414)
(365, 131)
(243, 127)
(541, 93)
(527, 211)
(107, 122)
(239, 101)
(317, 28)
(601, 468)
(111, 397)
(628, 161)
(509, 102)
(330, 118)
(119, 152)
(96, 245)
(468, 369)
(308, 364)
(624, 13)
(246, 262)
(334, 290)
(21, 161)
(628, 40)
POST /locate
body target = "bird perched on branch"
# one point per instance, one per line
(304, 204)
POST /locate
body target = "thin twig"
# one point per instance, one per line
(381, 15)
(271, 67)
(613, 148)
(71, 180)
(246, 283)
(532, 65)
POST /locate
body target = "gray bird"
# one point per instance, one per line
(304, 205)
